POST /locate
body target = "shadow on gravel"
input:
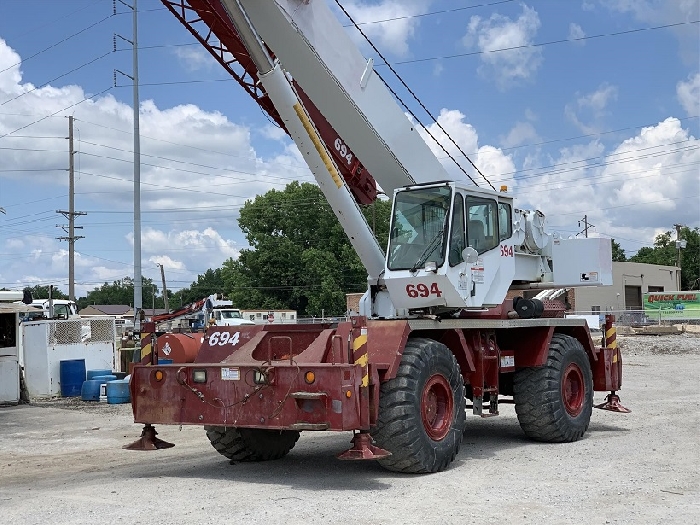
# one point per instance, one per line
(312, 464)
(601, 427)
(309, 466)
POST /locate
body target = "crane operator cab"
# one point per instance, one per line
(454, 246)
(451, 246)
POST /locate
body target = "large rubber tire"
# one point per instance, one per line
(422, 410)
(554, 402)
(251, 444)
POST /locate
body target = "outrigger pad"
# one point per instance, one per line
(363, 449)
(612, 403)
(148, 440)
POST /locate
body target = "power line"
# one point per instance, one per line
(90, 3)
(543, 44)
(57, 112)
(56, 78)
(431, 13)
(56, 44)
(415, 97)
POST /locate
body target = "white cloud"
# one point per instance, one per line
(166, 262)
(197, 169)
(194, 58)
(591, 108)
(519, 61)
(576, 33)
(497, 167)
(390, 23)
(520, 133)
(273, 132)
(688, 94)
(660, 12)
(193, 248)
(633, 191)
(662, 164)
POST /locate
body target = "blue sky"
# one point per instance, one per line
(583, 107)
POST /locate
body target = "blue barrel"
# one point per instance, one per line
(71, 376)
(91, 390)
(92, 373)
(118, 392)
(103, 379)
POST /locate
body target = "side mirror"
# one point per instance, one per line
(470, 255)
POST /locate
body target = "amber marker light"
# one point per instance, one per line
(158, 375)
(309, 377)
(348, 394)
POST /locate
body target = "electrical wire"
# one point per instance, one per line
(56, 44)
(432, 13)
(415, 97)
(543, 44)
(56, 78)
(57, 112)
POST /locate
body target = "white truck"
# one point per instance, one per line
(220, 312)
(435, 328)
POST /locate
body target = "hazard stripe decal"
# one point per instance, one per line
(611, 338)
(145, 349)
(359, 354)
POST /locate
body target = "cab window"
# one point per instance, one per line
(458, 234)
(482, 224)
(505, 221)
(419, 227)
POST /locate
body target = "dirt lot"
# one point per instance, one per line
(62, 462)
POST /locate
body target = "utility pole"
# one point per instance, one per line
(165, 290)
(71, 214)
(586, 225)
(679, 245)
(138, 284)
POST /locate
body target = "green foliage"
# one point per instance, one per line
(208, 283)
(300, 256)
(618, 254)
(665, 253)
(42, 292)
(122, 292)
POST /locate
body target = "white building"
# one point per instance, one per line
(270, 316)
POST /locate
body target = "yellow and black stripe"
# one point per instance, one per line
(359, 354)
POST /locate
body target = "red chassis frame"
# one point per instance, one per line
(320, 377)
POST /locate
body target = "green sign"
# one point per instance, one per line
(672, 305)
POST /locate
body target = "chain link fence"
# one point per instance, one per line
(79, 331)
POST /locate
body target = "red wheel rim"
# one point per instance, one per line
(572, 390)
(437, 406)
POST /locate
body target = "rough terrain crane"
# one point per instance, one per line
(435, 327)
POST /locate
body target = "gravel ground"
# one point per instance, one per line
(687, 343)
(61, 462)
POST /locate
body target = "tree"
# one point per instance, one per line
(42, 292)
(618, 254)
(122, 292)
(665, 253)
(208, 283)
(300, 256)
